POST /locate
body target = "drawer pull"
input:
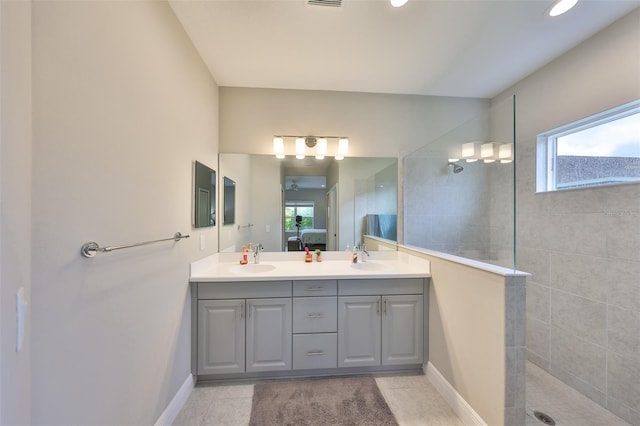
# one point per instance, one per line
(314, 315)
(312, 353)
(315, 288)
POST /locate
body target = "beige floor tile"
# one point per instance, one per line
(228, 412)
(403, 382)
(419, 405)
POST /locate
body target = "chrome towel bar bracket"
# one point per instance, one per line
(91, 249)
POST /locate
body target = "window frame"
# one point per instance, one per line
(547, 148)
(295, 204)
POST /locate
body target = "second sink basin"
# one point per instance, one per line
(370, 266)
(252, 268)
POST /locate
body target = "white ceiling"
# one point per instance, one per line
(466, 48)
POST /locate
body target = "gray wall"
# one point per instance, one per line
(15, 198)
(122, 107)
(582, 246)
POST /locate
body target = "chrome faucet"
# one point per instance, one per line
(257, 249)
(362, 250)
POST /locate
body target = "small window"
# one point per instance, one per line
(603, 149)
(303, 209)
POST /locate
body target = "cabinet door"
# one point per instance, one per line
(402, 330)
(221, 336)
(268, 334)
(358, 331)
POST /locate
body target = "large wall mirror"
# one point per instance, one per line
(336, 202)
(204, 196)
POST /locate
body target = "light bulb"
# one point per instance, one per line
(562, 6)
(300, 148)
(278, 147)
(398, 3)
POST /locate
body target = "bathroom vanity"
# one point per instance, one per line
(287, 318)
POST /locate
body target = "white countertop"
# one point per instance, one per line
(224, 267)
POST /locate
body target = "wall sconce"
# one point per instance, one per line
(320, 143)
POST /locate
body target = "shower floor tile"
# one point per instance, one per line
(564, 404)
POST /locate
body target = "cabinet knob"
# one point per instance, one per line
(315, 288)
(315, 315)
(312, 353)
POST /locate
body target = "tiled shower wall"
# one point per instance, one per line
(444, 211)
(583, 298)
(582, 246)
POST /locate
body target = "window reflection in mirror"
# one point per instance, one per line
(229, 201)
(204, 196)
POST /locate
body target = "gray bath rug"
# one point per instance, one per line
(320, 401)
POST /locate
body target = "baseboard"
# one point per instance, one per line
(467, 415)
(171, 412)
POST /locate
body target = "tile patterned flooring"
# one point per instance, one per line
(413, 401)
(565, 405)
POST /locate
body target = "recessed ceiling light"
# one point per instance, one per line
(561, 6)
(398, 3)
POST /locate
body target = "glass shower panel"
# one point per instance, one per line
(459, 189)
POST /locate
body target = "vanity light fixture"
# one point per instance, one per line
(488, 152)
(561, 6)
(320, 143)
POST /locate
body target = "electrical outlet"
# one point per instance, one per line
(203, 242)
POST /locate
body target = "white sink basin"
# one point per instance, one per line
(252, 268)
(370, 266)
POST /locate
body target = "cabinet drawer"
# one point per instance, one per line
(315, 288)
(244, 290)
(380, 286)
(315, 314)
(315, 351)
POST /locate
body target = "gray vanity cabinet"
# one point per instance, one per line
(380, 322)
(221, 338)
(402, 329)
(315, 341)
(303, 327)
(359, 331)
(243, 327)
(268, 334)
